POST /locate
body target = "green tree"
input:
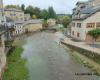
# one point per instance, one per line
(65, 20)
(23, 7)
(34, 17)
(30, 10)
(37, 12)
(44, 14)
(13, 6)
(52, 13)
(95, 33)
(33, 11)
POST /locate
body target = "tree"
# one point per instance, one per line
(37, 12)
(23, 7)
(33, 11)
(13, 6)
(95, 33)
(52, 13)
(29, 10)
(44, 14)
(34, 17)
(65, 20)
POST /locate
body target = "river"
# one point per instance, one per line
(47, 60)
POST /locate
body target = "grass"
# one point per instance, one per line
(16, 69)
(86, 61)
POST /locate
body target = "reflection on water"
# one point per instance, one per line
(46, 60)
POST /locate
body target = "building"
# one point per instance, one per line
(14, 14)
(94, 3)
(51, 22)
(27, 17)
(84, 19)
(18, 28)
(2, 46)
(33, 25)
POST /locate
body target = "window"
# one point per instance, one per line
(73, 24)
(90, 25)
(16, 32)
(98, 24)
(72, 32)
(78, 34)
(79, 25)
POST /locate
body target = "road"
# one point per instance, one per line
(47, 60)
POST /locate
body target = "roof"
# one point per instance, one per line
(89, 12)
(81, 2)
(35, 21)
(13, 9)
(19, 22)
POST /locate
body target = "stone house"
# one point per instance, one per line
(14, 14)
(51, 22)
(27, 17)
(84, 19)
(33, 25)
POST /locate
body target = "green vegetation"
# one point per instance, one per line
(16, 66)
(13, 6)
(94, 33)
(80, 58)
(35, 11)
(65, 20)
(47, 14)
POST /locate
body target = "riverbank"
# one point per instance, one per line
(82, 59)
(16, 69)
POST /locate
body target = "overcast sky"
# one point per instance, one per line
(60, 6)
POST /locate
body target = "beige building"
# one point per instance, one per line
(51, 22)
(84, 20)
(14, 14)
(33, 25)
(27, 17)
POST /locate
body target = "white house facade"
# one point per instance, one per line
(18, 28)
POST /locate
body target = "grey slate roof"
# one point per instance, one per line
(35, 21)
(13, 9)
(86, 11)
(80, 2)
(19, 22)
(89, 12)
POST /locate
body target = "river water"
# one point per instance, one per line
(47, 60)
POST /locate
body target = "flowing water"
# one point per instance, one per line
(47, 60)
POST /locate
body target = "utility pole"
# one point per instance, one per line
(1, 7)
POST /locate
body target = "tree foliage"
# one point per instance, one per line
(95, 33)
(23, 7)
(29, 10)
(13, 6)
(44, 14)
(34, 17)
(51, 12)
(65, 20)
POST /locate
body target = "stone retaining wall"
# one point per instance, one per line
(2, 62)
(89, 54)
